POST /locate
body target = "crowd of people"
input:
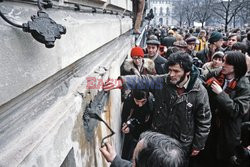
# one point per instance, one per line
(189, 92)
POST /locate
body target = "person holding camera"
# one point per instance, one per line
(136, 118)
(229, 93)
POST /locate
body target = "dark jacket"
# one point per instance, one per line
(185, 117)
(118, 162)
(228, 110)
(204, 55)
(142, 116)
(159, 62)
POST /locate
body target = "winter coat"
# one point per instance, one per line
(129, 68)
(159, 63)
(202, 44)
(204, 55)
(228, 110)
(185, 117)
(140, 120)
(141, 114)
(207, 67)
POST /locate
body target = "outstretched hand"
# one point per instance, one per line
(108, 152)
(112, 84)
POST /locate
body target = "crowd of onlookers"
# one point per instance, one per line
(190, 88)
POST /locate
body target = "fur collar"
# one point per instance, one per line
(147, 64)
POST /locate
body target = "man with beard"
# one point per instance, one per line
(181, 102)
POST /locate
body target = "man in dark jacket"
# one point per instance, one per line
(229, 93)
(136, 118)
(154, 150)
(215, 43)
(181, 102)
(153, 53)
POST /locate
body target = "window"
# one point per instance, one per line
(167, 11)
(161, 13)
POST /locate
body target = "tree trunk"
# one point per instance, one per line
(234, 22)
(226, 25)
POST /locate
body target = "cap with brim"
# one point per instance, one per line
(191, 40)
(181, 44)
(153, 42)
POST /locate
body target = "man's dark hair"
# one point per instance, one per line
(171, 50)
(238, 60)
(139, 94)
(159, 150)
(237, 37)
(181, 58)
(240, 46)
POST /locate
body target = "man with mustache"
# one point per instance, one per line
(181, 102)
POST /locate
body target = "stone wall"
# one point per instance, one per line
(43, 93)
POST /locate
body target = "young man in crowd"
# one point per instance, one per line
(215, 43)
(191, 43)
(229, 93)
(153, 53)
(232, 39)
(136, 118)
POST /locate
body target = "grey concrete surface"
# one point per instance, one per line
(25, 62)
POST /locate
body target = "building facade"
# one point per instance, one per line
(162, 11)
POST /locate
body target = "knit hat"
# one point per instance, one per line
(218, 54)
(137, 51)
(214, 37)
(191, 40)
